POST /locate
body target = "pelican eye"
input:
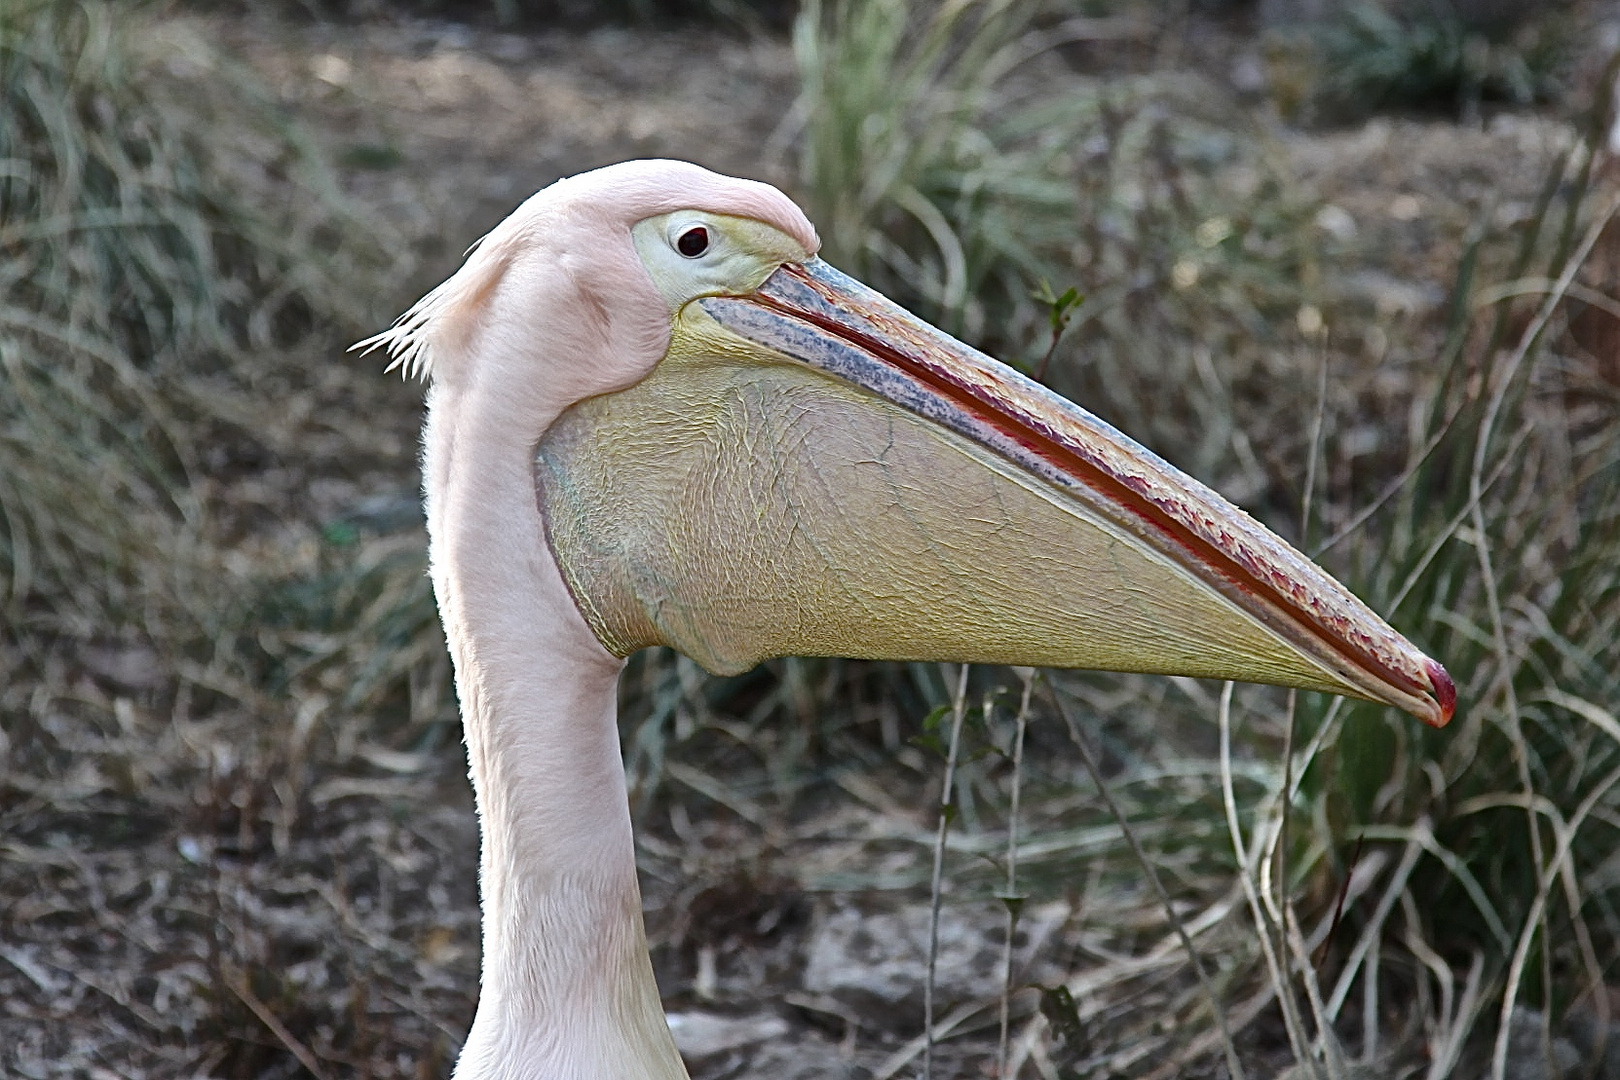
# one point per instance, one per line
(693, 242)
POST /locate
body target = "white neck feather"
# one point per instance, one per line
(567, 990)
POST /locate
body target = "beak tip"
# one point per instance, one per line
(1445, 695)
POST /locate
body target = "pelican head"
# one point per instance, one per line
(743, 453)
(657, 418)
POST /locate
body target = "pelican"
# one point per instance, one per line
(655, 417)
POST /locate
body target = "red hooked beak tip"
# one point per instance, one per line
(1445, 693)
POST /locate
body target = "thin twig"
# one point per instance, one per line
(946, 812)
(1338, 905)
(1284, 908)
(294, 1045)
(1257, 910)
(1010, 898)
(891, 1065)
(1390, 490)
(1234, 1066)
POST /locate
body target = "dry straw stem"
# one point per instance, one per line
(1282, 985)
(1268, 912)
(267, 1016)
(1279, 916)
(947, 812)
(1152, 875)
(1010, 896)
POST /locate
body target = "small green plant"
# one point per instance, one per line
(1060, 312)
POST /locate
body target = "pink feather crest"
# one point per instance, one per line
(590, 215)
(415, 336)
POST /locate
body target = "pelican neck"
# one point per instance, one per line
(567, 987)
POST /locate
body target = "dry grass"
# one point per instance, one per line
(235, 840)
(164, 318)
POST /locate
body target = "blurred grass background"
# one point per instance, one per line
(230, 789)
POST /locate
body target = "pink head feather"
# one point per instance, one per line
(568, 249)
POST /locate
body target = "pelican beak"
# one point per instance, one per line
(812, 470)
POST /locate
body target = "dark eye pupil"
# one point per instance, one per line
(693, 242)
